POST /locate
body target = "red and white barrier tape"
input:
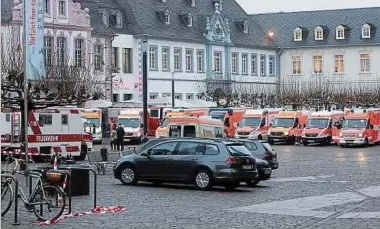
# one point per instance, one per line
(97, 210)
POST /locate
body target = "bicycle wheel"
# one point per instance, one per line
(53, 202)
(6, 197)
(13, 167)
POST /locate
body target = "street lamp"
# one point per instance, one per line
(145, 85)
(173, 91)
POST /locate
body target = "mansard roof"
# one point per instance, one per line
(145, 22)
(283, 24)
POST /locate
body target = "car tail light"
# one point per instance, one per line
(231, 160)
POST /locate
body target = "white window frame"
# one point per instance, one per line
(272, 65)
(365, 63)
(189, 20)
(235, 63)
(366, 31)
(189, 53)
(61, 51)
(338, 64)
(119, 20)
(79, 52)
(254, 64)
(318, 34)
(199, 96)
(47, 5)
(60, 14)
(244, 63)
(177, 59)
(339, 32)
(189, 96)
(98, 57)
(297, 34)
(317, 64)
(245, 26)
(48, 50)
(200, 61)
(167, 17)
(153, 57)
(153, 95)
(165, 58)
(263, 65)
(178, 96)
(296, 65)
(218, 66)
(105, 17)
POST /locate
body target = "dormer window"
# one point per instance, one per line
(192, 3)
(119, 22)
(297, 34)
(340, 31)
(245, 26)
(366, 31)
(163, 1)
(318, 33)
(105, 17)
(189, 20)
(167, 17)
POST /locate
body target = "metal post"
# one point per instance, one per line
(173, 91)
(25, 92)
(145, 88)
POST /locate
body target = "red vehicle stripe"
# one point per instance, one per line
(57, 149)
(34, 125)
(74, 111)
(56, 138)
(70, 149)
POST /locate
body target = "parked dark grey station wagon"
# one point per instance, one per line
(203, 162)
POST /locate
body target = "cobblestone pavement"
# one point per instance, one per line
(342, 182)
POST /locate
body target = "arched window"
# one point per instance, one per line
(167, 17)
(190, 20)
(340, 32)
(318, 33)
(105, 17)
(366, 31)
(119, 21)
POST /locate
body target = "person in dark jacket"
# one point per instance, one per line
(120, 137)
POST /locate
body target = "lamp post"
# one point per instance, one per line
(173, 91)
(145, 85)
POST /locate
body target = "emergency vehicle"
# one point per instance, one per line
(230, 118)
(133, 122)
(190, 126)
(286, 126)
(360, 127)
(94, 116)
(255, 123)
(320, 128)
(53, 130)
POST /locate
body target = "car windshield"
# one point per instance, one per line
(355, 123)
(251, 122)
(283, 122)
(94, 121)
(129, 122)
(238, 150)
(317, 123)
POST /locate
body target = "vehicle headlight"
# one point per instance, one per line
(321, 135)
(360, 135)
(340, 135)
(286, 133)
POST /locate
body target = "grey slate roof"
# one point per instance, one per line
(6, 11)
(145, 21)
(283, 24)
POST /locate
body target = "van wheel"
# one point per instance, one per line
(83, 154)
(203, 179)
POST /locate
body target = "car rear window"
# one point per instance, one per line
(238, 150)
(267, 146)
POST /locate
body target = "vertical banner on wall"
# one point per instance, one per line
(34, 32)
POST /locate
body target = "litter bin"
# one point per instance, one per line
(103, 152)
(80, 179)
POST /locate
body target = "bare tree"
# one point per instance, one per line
(64, 84)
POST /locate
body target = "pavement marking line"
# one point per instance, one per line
(308, 178)
(303, 206)
(360, 215)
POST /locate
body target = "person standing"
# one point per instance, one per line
(120, 137)
(113, 138)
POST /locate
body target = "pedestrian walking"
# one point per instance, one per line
(120, 137)
(113, 138)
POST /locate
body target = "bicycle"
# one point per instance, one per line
(47, 195)
(12, 164)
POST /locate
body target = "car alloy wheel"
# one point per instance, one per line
(128, 176)
(203, 180)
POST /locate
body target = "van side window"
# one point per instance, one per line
(218, 132)
(189, 131)
(154, 113)
(211, 149)
(175, 131)
(45, 119)
(65, 119)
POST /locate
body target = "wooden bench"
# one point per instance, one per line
(95, 158)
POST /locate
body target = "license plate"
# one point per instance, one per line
(127, 140)
(276, 140)
(311, 141)
(247, 167)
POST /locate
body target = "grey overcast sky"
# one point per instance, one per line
(268, 6)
